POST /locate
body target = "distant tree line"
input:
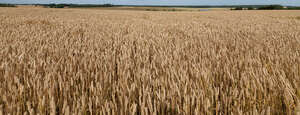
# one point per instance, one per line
(7, 5)
(90, 5)
(293, 8)
(233, 7)
(74, 5)
(266, 7)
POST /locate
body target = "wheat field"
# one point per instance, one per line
(114, 62)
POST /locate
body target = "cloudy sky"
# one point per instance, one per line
(163, 2)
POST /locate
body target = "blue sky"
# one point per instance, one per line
(163, 2)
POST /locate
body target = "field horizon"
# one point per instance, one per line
(120, 62)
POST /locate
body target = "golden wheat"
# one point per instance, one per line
(83, 61)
